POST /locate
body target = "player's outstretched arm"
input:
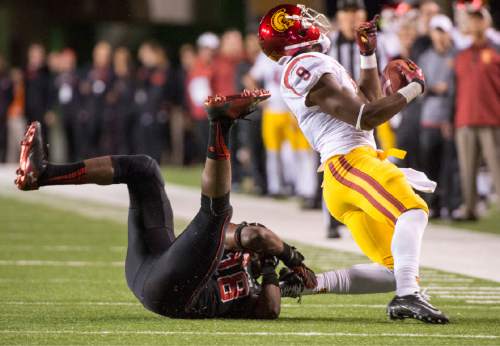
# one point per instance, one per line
(343, 105)
(259, 239)
(369, 82)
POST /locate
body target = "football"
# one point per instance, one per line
(392, 78)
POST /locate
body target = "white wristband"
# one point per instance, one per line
(411, 91)
(360, 114)
(368, 62)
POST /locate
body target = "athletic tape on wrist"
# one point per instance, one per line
(270, 279)
(411, 91)
(237, 234)
(367, 62)
(360, 114)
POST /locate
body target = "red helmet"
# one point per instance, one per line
(287, 29)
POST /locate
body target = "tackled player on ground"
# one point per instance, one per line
(211, 269)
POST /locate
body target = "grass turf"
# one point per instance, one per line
(181, 175)
(62, 282)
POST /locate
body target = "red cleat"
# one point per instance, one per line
(234, 107)
(33, 159)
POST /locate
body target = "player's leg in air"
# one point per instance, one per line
(164, 273)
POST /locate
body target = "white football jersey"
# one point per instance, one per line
(269, 73)
(326, 134)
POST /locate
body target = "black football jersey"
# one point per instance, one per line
(231, 291)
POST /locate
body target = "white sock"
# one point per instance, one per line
(406, 244)
(306, 180)
(274, 172)
(358, 279)
(289, 163)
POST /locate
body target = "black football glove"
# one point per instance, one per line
(290, 256)
(291, 284)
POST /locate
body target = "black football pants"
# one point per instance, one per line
(166, 274)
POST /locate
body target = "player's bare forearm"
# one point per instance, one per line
(378, 112)
(366, 38)
(369, 84)
(344, 105)
(268, 304)
(254, 238)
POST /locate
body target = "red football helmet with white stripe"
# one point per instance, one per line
(287, 29)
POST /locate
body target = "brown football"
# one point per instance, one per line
(392, 78)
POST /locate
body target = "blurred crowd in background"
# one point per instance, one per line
(128, 102)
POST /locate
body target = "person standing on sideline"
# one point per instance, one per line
(198, 88)
(118, 110)
(437, 108)
(230, 55)
(408, 131)
(66, 98)
(37, 86)
(93, 87)
(251, 133)
(16, 123)
(278, 126)
(150, 99)
(477, 116)
(6, 96)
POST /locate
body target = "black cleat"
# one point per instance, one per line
(33, 158)
(417, 307)
(234, 107)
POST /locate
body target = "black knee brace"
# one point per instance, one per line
(133, 168)
(216, 206)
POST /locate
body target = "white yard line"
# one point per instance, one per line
(443, 248)
(452, 280)
(257, 333)
(472, 292)
(43, 263)
(72, 303)
(485, 302)
(463, 288)
(62, 248)
(475, 297)
(286, 305)
(58, 281)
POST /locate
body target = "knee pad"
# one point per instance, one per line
(215, 207)
(130, 168)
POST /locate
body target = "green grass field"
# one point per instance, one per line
(62, 282)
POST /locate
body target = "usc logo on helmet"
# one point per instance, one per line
(279, 22)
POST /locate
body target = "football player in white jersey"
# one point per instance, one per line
(279, 126)
(361, 188)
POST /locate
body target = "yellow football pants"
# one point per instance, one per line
(368, 193)
(280, 127)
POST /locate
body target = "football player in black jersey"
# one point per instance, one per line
(210, 270)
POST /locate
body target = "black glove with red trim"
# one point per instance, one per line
(294, 260)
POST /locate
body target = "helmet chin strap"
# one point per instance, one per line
(323, 41)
